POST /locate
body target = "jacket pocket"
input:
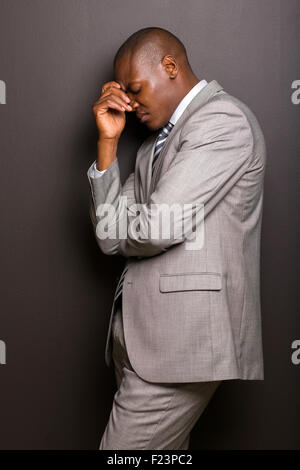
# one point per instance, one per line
(190, 281)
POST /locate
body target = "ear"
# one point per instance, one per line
(170, 65)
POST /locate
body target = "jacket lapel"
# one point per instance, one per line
(199, 100)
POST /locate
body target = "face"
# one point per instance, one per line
(151, 90)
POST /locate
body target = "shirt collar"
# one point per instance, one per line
(186, 100)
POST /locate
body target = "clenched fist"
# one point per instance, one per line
(109, 110)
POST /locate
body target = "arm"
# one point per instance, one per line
(215, 151)
(127, 190)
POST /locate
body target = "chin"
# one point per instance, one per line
(152, 126)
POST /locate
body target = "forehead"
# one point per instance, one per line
(127, 70)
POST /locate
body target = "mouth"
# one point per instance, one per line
(143, 116)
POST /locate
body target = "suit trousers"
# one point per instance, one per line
(148, 415)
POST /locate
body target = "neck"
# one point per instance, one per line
(189, 82)
(186, 85)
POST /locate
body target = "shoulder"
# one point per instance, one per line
(222, 117)
(222, 107)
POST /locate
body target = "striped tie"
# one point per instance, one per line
(162, 136)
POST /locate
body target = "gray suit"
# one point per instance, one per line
(194, 315)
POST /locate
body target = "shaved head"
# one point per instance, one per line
(150, 45)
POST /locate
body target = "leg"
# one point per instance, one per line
(185, 444)
(154, 416)
(188, 403)
(148, 415)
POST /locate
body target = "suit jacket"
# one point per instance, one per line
(192, 315)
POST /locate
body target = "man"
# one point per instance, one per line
(185, 316)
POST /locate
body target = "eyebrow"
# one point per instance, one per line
(129, 84)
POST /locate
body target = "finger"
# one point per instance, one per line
(111, 103)
(108, 90)
(118, 92)
(120, 102)
(108, 85)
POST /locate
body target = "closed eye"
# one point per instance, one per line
(135, 92)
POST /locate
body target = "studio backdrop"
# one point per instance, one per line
(56, 285)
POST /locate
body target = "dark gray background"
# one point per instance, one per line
(56, 286)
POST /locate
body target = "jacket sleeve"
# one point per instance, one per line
(107, 190)
(215, 151)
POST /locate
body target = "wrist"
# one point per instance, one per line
(104, 138)
(103, 164)
(107, 152)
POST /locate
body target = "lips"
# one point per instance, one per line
(143, 116)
